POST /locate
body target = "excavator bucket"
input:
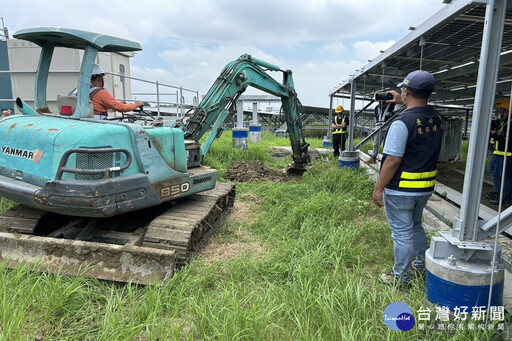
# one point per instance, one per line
(296, 169)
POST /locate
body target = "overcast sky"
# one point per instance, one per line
(188, 42)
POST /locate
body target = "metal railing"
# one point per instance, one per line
(179, 96)
(180, 102)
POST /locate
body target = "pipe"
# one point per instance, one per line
(25, 108)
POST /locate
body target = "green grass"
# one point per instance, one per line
(322, 243)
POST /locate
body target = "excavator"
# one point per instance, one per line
(113, 199)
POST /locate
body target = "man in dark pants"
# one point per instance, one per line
(498, 157)
(339, 133)
(408, 173)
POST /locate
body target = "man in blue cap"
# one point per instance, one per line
(408, 173)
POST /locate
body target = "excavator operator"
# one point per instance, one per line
(102, 100)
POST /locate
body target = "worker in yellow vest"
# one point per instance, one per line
(339, 132)
(499, 142)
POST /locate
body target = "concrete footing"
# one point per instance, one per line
(326, 142)
(240, 137)
(255, 132)
(349, 159)
(455, 283)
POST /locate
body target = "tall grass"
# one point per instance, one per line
(314, 278)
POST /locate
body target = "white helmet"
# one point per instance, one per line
(98, 70)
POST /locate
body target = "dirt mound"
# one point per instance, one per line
(247, 171)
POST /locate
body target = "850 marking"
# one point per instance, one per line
(174, 190)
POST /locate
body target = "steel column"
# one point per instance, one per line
(329, 126)
(466, 122)
(352, 114)
(466, 226)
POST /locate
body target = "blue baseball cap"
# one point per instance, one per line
(420, 81)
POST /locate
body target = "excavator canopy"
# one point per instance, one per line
(76, 39)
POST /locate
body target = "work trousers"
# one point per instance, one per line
(496, 169)
(338, 140)
(404, 215)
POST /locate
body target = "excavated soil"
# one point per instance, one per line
(247, 171)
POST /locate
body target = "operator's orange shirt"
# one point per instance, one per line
(103, 101)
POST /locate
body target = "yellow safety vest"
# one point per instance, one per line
(497, 146)
(339, 131)
(418, 180)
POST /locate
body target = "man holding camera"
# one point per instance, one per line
(408, 173)
(383, 112)
(339, 132)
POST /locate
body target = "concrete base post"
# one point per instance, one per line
(327, 142)
(255, 132)
(349, 159)
(240, 138)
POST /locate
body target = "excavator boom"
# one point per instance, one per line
(219, 105)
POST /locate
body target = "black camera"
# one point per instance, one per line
(383, 96)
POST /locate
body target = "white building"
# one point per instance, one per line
(18, 66)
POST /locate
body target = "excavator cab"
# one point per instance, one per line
(72, 164)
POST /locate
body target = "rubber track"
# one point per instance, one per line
(183, 225)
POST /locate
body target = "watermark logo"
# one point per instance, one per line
(398, 316)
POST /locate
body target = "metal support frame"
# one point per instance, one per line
(158, 98)
(466, 122)
(84, 82)
(445, 15)
(352, 115)
(376, 131)
(42, 75)
(467, 229)
(329, 126)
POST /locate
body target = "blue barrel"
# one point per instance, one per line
(240, 137)
(349, 159)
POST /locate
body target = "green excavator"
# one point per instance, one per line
(77, 179)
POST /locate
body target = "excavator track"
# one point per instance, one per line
(183, 225)
(140, 247)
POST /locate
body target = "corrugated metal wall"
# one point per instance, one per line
(5, 78)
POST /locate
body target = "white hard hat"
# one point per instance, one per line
(97, 70)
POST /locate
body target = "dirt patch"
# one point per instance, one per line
(241, 242)
(241, 212)
(247, 171)
(224, 250)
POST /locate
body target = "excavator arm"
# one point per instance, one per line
(219, 104)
